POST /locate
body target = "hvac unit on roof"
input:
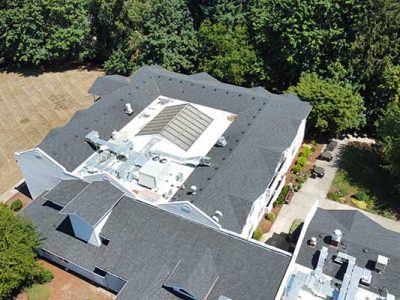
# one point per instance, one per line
(128, 108)
(381, 263)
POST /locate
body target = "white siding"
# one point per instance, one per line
(83, 230)
(40, 171)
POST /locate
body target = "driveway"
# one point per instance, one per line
(315, 189)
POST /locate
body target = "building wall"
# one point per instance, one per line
(83, 230)
(109, 281)
(40, 171)
(264, 203)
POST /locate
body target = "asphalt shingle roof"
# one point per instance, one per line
(363, 239)
(264, 127)
(65, 191)
(148, 245)
(93, 201)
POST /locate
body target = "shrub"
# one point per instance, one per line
(342, 200)
(296, 169)
(257, 234)
(296, 223)
(282, 196)
(302, 161)
(16, 205)
(333, 196)
(359, 204)
(361, 196)
(297, 187)
(306, 152)
(271, 216)
(44, 275)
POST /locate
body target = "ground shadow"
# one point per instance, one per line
(279, 241)
(362, 165)
(36, 71)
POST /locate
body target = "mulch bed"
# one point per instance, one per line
(265, 224)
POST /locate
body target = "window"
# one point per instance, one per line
(100, 272)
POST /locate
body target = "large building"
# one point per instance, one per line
(148, 253)
(345, 255)
(208, 151)
(155, 190)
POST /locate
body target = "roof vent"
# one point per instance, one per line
(381, 263)
(115, 135)
(193, 190)
(336, 237)
(215, 218)
(221, 142)
(313, 241)
(128, 108)
(218, 214)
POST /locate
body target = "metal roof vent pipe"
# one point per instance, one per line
(128, 109)
(336, 238)
(193, 190)
(217, 216)
(313, 242)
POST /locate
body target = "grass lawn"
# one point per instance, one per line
(38, 292)
(360, 174)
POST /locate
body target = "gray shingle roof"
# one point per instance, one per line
(363, 239)
(147, 244)
(265, 126)
(93, 201)
(103, 85)
(65, 191)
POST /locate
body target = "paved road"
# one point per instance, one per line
(316, 189)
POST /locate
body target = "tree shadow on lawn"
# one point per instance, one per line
(33, 71)
(362, 166)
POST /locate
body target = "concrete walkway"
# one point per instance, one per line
(316, 189)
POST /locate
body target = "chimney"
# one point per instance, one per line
(336, 238)
(128, 108)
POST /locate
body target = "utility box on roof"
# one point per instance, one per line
(154, 173)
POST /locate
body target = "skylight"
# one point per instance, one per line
(180, 124)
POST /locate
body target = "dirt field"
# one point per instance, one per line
(31, 103)
(66, 286)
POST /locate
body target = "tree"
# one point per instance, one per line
(336, 108)
(227, 12)
(118, 26)
(18, 244)
(297, 36)
(169, 38)
(226, 54)
(44, 31)
(389, 135)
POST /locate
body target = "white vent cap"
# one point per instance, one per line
(128, 108)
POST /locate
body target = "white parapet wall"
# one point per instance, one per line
(40, 171)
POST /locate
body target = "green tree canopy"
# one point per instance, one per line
(336, 107)
(227, 54)
(18, 244)
(389, 135)
(44, 31)
(169, 36)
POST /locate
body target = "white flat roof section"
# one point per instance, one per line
(158, 149)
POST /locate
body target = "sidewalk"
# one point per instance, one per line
(316, 189)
